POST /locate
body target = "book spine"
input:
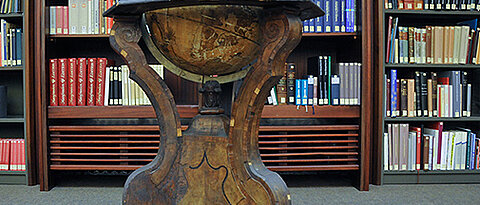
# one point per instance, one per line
(320, 62)
(418, 148)
(291, 83)
(53, 20)
(429, 98)
(328, 16)
(411, 97)
(62, 82)
(282, 88)
(426, 151)
(424, 93)
(72, 16)
(393, 91)
(120, 90)
(403, 97)
(319, 20)
(65, 23)
(327, 71)
(387, 97)
(342, 15)
(59, 19)
(335, 90)
(411, 44)
(310, 90)
(82, 81)
(389, 40)
(110, 87)
(418, 94)
(315, 90)
(304, 92)
(53, 82)
(19, 40)
(100, 82)
(336, 15)
(428, 46)
(434, 94)
(298, 92)
(72, 82)
(469, 100)
(457, 105)
(91, 76)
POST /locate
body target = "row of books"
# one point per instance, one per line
(81, 17)
(337, 85)
(121, 90)
(10, 44)
(339, 16)
(10, 6)
(430, 147)
(12, 155)
(465, 5)
(442, 94)
(433, 44)
(78, 81)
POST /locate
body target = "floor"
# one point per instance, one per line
(305, 189)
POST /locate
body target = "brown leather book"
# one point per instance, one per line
(428, 46)
(411, 97)
(429, 98)
(411, 44)
(426, 142)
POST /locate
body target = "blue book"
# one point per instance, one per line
(310, 90)
(298, 92)
(319, 20)
(18, 39)
(304, 92)
(457, 105)
(13, 55)
(393, 92)
(306, 28)
(336, 15)
(471, 23)
(4, 36)
(472, 151)
(394, 35)
(335, 92)
(311, 25)
(348, 16)
(328, 16)
(343, 11)
(354, 15)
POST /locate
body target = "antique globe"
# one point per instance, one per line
(207, 40)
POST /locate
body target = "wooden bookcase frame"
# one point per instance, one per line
(379, 176)
(44, 112)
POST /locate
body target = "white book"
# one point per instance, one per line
(351, 87)
(385, 151)
(73, 16)
(89, 16)
(120, 81)
(107, 86)
(396, 53)
(430, 152)
(131, 95)
(463, 156)
(450, 146)
(456, 150)
(464, 45)
(456, 44)
(124, 85)
(450, 100)
(274, 96)
(341, 71)
(443, 155)
(434, 133)
(423, 57)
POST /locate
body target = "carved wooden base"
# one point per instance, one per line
(216, 160)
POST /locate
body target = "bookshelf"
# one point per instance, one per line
(335, 138)
(19, 121)
(416, 18)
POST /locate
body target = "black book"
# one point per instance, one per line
(463, 5)
(424, 90)
(403, 97)
(115, 86)
(291, 83)
(426, 4)
(3, 101)
(327, 63)
(448, 4)
(473, 49)
(315, 67)
(418, 105)
(119, 82)
(433, 75)
(464, 93)
(110, 86)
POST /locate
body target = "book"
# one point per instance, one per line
(291, 83)
(335, 90)
(91, 79)
(62, 82)
(72, 82)
(53, 68)
(81, 81)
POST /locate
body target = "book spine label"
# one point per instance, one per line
(91, 76)
(53, 20)
(336, 15)
(72, 82)
(464, 93)
(53, 82)
(424, 93)
(418, 94)
(100, 83)
(82, 81)
(62, 84)
(328, 16)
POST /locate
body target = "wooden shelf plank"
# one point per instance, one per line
(432, 119)
(189, 111)
(12, 119)
(314, 167)
(327, 111)
(309, 148)
(11, 68)
(432, 66)
(308, 135)
(79, 36)
(431, 12)
(110, 112)
(432, 172)
(308, 160)
(329, 34)
(11, 15)
(309, 128)
(94, 167)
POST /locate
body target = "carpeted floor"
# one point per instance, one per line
(304, 189)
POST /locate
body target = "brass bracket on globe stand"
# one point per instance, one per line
(216, 160)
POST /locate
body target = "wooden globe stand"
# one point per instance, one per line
(216, 160)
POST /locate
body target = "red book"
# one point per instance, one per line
(109, 20)
(389, 38)
(13, 155)
(443, 80)
(72, 82)
(62, 82)
(81, 81)
(59, 19)
(23, 163)
(65, 20)
(3, 154)
(419, 147)
(102, 64)
(91, 75)
(53, 82)
(477, 153)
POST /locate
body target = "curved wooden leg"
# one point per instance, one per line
(161, 180)
(282, 33)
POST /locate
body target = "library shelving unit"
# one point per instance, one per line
(124, 138)
(19, 82)
(416, 18)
